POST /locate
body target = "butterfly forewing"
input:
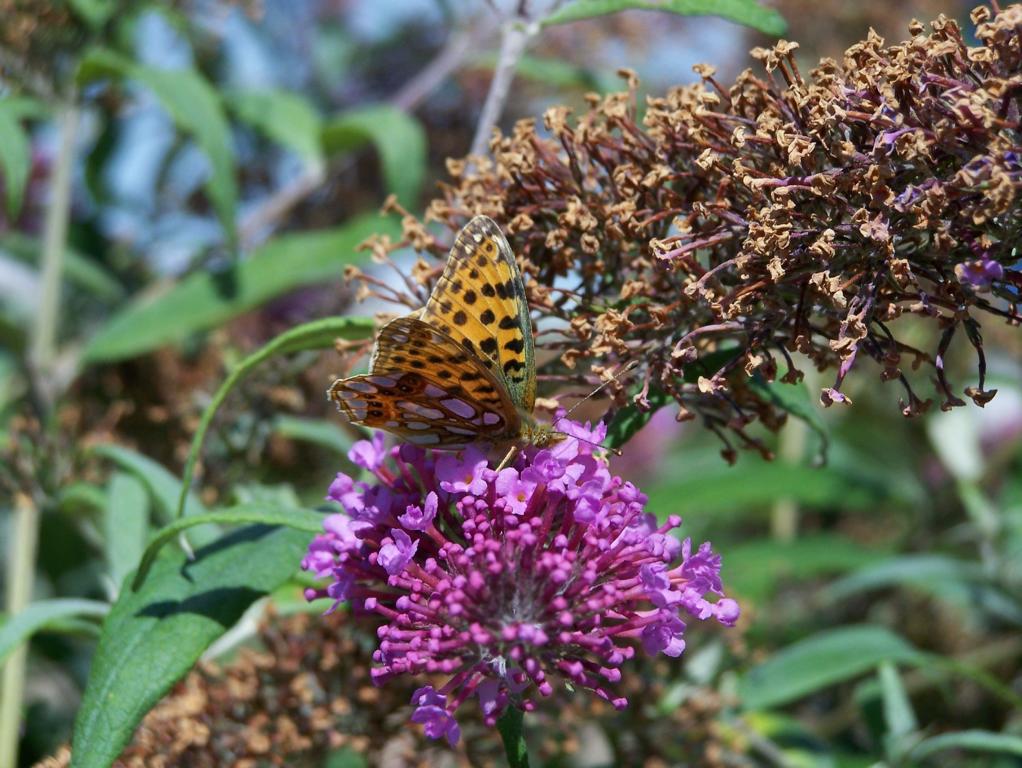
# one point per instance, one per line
(480, 303)
(426, 388)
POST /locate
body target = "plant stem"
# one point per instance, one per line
(510, 727)
(20, 574)
(784, 517)
(42, 356)
(43, 347)
(515, 36)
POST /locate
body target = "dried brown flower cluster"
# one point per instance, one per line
(782, 215)
(308, 694)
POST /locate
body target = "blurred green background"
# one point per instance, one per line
(182, 182)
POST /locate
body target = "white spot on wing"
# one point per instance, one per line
(490, 418)
(381, 381)
(421, 410)
(361, 385)
(418, 425)
(459, 407)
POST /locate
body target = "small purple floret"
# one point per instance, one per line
(509, 584)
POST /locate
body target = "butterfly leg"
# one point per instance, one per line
(507, 459)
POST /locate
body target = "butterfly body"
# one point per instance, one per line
(462, 369)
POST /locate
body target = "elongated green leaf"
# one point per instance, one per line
(318, 334)
(193, 105)
(125, 524)
(164, 488)
(283, 117)
(750, 487)
(755, 569)
(630, 419)
(822, 660)
(972, 740)
(80, 270)
(299, 519)
(42, 614)
(153, 636)
(81, 494)
(919, 570)
(15, 158)
(898, 715)
(398, 137)
(325, 433)
(747, 12)
(199, 302)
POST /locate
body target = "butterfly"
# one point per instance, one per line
(462, 369)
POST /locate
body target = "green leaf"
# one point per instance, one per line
(81, 494)
(925, 571)
(125, 524)
(42, 614)
(193, 105)
(746, 12)
(398, 137)
(80, 270)
(199, 302)
(755, 569)
(819, 661)
(286, 118)
(318, 334)
(754, 484)
(299, 519)
(796, 400)
(153, 636)
(513, 736)
(974, 740)
(346, 757)
(96, 13)
(15, 158)
(325, 433)
(630, 419)
(898, 715)
(164, 488)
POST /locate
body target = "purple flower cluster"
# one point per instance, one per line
(508, 582)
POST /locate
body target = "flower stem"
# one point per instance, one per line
(43, 346)
(42, 356)
(510, 727)
(784, 517)
(20, 573)
(515, 36)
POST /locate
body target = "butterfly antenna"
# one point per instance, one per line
(596, 391)
(571, 410)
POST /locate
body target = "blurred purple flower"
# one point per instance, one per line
(549, 572)
(979, 273)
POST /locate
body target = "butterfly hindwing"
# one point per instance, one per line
(479, 302)
(427, 389)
